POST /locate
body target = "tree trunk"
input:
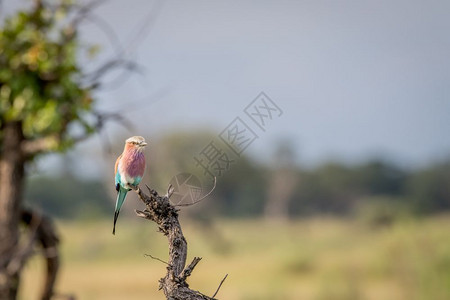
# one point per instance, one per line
(281, 188)
(11, 184)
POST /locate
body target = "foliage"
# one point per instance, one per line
(40, 78)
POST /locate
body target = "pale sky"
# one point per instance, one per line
(355, 79)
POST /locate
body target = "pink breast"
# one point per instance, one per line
(134, 163)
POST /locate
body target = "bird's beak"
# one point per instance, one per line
(143, 144)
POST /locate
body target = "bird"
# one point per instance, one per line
(129, 170)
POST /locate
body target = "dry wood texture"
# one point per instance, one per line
(165, 215)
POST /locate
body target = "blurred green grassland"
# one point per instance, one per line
(314, 258)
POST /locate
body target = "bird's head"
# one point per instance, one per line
(137, 142)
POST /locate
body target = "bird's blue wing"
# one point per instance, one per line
(137, 180)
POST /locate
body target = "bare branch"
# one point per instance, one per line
(146, 27)
(93, 79)
(143, 214)
(43, 144)
(106, 142)
(220, 285)
(84, 11)
(95, 76)
(132, 45)
(155, 258)
(134, 105)
(188, 270)
(45, 234)
(18, 260)
(170, 190)
(100, 120)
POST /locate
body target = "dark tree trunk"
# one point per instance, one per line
(11, 185)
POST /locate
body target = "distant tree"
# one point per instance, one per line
(44, 99)
(283, 179)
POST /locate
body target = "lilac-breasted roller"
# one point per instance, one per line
(129, 170)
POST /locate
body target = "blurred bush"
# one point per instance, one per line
(381, 211)
(69, 197)
(429, 189)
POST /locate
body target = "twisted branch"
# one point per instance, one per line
(44, 234)
(165, 215)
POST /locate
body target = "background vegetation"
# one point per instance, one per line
(378, 189)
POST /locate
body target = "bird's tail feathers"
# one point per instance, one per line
(120, 199)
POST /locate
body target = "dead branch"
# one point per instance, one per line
(220, 285)
(156, 258)
(188, 270)
(45, 235)
(165, 215)
(21, 256)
